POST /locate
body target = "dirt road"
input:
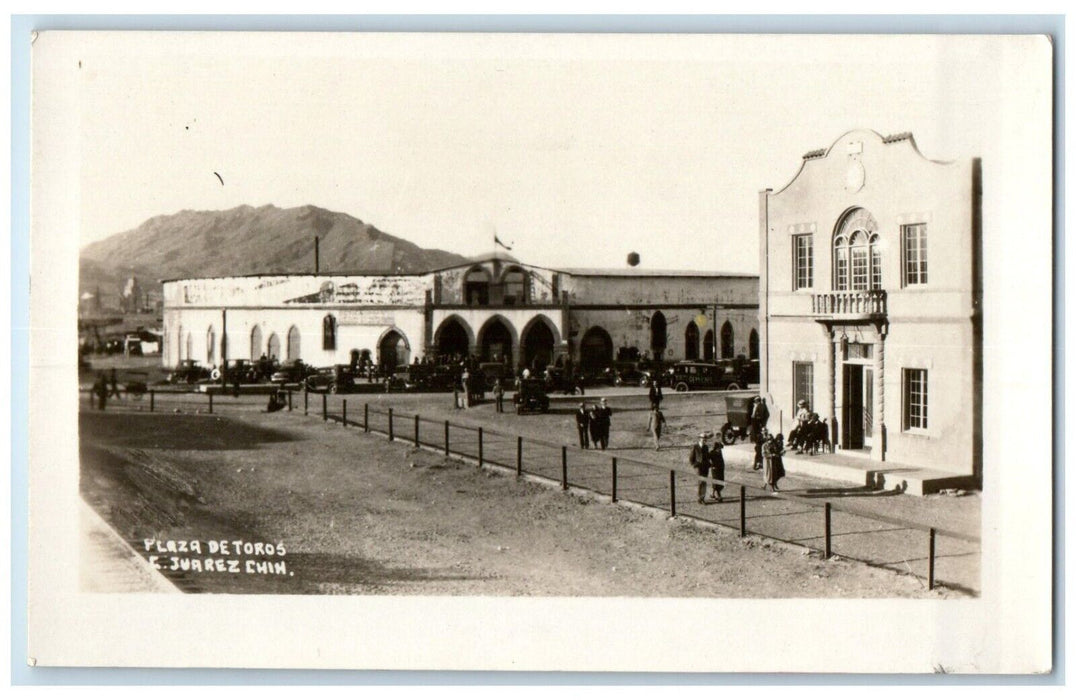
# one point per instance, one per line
(355, 514)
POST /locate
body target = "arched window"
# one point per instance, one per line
(514, 282)
(293, 345)
(691, 341)
(658, 341)
(179, 344)
(256, 343)
(728, 345)
(328, 333)
(190, 345)
(857, 253)
(274, 347)
(210, 346)
(752, 345)
(708, 345)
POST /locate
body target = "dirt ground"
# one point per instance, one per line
(356, 514)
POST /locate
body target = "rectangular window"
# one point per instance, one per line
(840, 281)
(859, 267)
(803, 383)
(803, 262)
(915, 253)
(915, 399)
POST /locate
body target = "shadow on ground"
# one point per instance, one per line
(174, 431)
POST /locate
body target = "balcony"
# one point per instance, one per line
(859, 304)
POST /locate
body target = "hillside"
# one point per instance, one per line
(248, 240)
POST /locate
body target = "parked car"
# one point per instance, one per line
(633, 373)
(236, 371)
(690, 375)
(334, 380)
(188, 372)
(292, 373)
(531, 396)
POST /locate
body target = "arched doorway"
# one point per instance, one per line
(293, 344)
(496, 343)
(476, 287)
(708, 346)
(658, 339)
(256, 343)
(179, 344)
(752, 345)
(728, 346)
(393, 350)
(595, 350)
(190, 346)
(452, 339)
(691, 341)
(537, 345)
(274, 347)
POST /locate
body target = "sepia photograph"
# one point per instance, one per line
(517, 342)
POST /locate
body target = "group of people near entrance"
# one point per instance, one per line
(593, 424)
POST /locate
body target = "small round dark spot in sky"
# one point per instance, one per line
(187, 128)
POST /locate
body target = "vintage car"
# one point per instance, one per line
(188, 372)
(292, 372)
(530, 396)
(236, 372)
(692, 375)
(334, 380)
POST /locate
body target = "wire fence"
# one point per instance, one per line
(816, 524)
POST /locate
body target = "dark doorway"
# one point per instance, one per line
(595, 350)
(752, 345)
(537, 346)
(452, 339)
(394, 350)
(496, 342)
(691, 341)
(658, 335)
(728, 344)
(708, 346)
(852, 415)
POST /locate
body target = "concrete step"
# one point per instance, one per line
(859, 471)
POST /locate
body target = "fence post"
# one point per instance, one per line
(480, 447)
(324, 407)
(829, 548)
(366, 418)
(210, 394)
(930, 562)
(417, 443)
(289, 400)
(563, 468)
(743, 511)
(672, 492)
(390, 425)
(519, 455)
(150, 400)
(614, 479)
(344, 410)
(446, 438)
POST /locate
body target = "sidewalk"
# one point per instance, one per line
(107, 564)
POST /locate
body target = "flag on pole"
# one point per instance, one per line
(498, 242)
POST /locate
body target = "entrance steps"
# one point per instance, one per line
(862, 471)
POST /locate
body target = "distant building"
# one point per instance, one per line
(495, 308)
(870, 300)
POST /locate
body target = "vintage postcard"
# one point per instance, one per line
(541, 352)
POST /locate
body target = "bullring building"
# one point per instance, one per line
(495, 308)
(870, 301)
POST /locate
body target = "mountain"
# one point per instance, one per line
(248, 240)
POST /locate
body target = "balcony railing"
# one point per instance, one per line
(857, 304)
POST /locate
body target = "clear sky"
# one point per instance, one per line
(576, 149)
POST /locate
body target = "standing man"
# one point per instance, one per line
(582, 425)
(100, 389)
(700, 462)
(113, 386)
(603, 414)
(465, 380)
(717, 468)
(655, 394)
(759, 415)
(498, 393)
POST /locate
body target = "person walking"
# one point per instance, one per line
(582, 426)
(654, 424)
(717, 468)
(465, 380)
(100, 389)
(604, 416)
(771, 464)
(777, 471)
(113, 385)
(498, 393)
(759, 439)
(699, 459)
